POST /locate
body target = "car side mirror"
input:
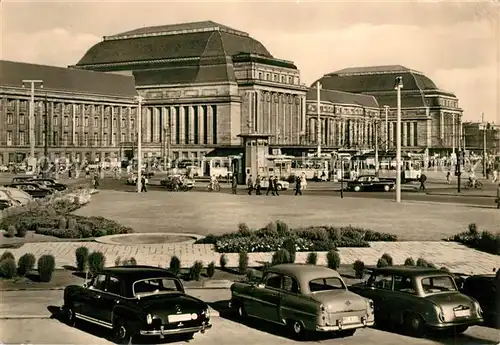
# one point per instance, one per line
(261, 286)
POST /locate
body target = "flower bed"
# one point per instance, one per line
(53, 217)
(314, 238)
(484, 241)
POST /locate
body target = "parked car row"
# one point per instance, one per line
(30, 187)
(148, 301)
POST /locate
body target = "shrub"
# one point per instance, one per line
(118, 261)
(244, 230)
(11, 231)
(82, 258)
(359, 269)
(333, 259)
(409, 262)
(243, 262)
(282, 228)
(72, 224)
(270, 230)
(59, 233)
(445, 269)
(63, 223)
(175, 265)
(46, 265)
(8, 268)
(7, 255)
(473, 229)
(388, 258)
(21, 232)
(211, 269)
(281, 256)
(195, 270)
(223, 261)
(421, 262)
(129, 262)
(312, 258)
(382, 262)
(25, 263)
(431, 265)
(96, 262)
(289, 245)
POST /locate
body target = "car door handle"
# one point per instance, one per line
(97, 296)
(117, 301)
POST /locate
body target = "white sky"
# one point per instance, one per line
(453, 43)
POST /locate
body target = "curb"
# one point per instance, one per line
(460, 194)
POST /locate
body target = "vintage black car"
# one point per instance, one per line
(33, 189)
(49, 183)
(419, 299)
(137, 301)
(370, 183)
(486, 290)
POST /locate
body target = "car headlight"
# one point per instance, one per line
(149, 319)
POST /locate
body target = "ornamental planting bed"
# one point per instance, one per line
(309, 239)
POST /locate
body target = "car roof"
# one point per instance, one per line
(304, 271)
(413, 271)
(138, 272)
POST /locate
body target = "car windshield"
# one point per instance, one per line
(326, 284)
(156, 285)
(438, 284)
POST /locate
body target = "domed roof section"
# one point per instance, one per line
(376, 79)
(188, 40)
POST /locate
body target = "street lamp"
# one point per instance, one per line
(398, 86)
(31, 120)
(139, 100)
(318, 106)
(386, 108)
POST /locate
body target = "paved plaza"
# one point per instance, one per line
(218, 213)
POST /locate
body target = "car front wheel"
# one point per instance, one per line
(69, 316)
(242, 313)
(279, 187)
(297, 329)
(121, 333)
(415, 325)
(387, 188)
(357, 188)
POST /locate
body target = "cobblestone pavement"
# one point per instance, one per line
(217, 213)
(452, 255)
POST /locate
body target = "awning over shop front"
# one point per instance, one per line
(225, 152)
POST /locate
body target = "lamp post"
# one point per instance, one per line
(386, 108)
(376, 146)
(139, 100)
(31, 120)
(398, 87)
(318, 107)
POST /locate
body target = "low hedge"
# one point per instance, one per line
(315, 238)
(484, 241)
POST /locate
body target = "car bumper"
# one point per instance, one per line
(344, 327)
(446, 325)
(162, 332)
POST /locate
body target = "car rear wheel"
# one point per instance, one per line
(279, 187)
(387, 188)
(460, 329)
(242, 313)
(297, 329)
(415, 325)
(121, 332)
(357, 188)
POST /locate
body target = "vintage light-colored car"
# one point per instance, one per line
(303, 298)
(281, 185)
(419, 299)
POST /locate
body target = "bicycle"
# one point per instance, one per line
(213, 187)
(470, 184)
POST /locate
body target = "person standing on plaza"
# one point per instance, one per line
(303, 181)
(234, 184)
(297, 186)
(95, 181)
(498, 197)
(448, 174)
(422, 179)
(270, 186)
(275, 185)
(257, 185)
(250, 185)
(144, 182)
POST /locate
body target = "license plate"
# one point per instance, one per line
(462, 313)
(179, 318)
(350, 319)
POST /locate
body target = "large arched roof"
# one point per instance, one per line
(188, 40)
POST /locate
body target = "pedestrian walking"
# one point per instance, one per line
(95, 182)
(422, 179)
(448, 174)
(497, 200)
(297, 186)
(234, 184)
(257, 185)
(275, 185)
(270, 186)
(250, 185)
(144, 182)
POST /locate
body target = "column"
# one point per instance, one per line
(311, 130)
(210, 125)
(257, 110)
(441, 125)
(201, 132)
(191, 124)
(173, 125)
(182, 125)
(156, 125)
(404, 132)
